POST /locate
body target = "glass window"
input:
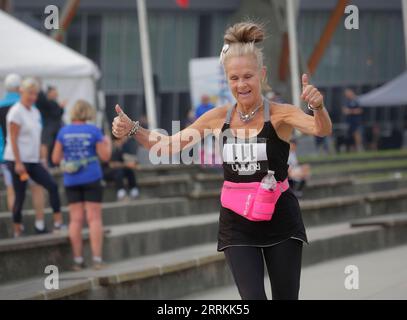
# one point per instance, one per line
(355, 57)
(74, 34)
(165, 114)
(94, 28)
(204, 41)
(112, 38)
(111, 101)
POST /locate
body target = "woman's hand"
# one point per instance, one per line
(122, 124)
(19, 168)
(310, 94)
(319, 124)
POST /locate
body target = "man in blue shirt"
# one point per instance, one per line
(12, 96)
(205, 106)
(207, 153)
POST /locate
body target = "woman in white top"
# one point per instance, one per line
(22, 153)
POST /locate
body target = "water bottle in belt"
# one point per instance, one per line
(269, 182)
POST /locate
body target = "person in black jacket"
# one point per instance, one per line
(51, 112)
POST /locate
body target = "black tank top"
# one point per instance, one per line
(247, 160)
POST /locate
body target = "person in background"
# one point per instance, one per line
(80, 146)
(1, 146)
(119, 168)
(204, 107)
(297, 174)
(190, 117)
(275, 96)
(375, 138)
(322, 145)
(207, 153)
(52, 113)
(12, 84)
(22, 154)
(353, 113)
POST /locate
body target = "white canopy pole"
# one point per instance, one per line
(146, 62)
(292, 37)
(404, 9)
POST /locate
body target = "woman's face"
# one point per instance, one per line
(244, 78)
(29, 96)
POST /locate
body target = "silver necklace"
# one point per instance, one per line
(249, 116)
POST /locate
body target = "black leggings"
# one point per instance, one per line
(283, 262)
(119, 174)
(39, 175)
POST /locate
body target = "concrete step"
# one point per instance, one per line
(123, 242)
(342, 186)
(315, 188)
(390, 220)
(316, 211)
(114, 213)
(155, 186)
(361, 171)
(201, 182)
(149, 237)
(346, 208)
(362, 200)
(198, 268)
(366, 157)
(150, 171)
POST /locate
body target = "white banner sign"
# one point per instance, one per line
(207, 77)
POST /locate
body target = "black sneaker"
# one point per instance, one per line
(99, 265)
(78, 266)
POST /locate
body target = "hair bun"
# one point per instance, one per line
(244, 32)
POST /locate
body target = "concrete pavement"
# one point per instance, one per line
(382, 276)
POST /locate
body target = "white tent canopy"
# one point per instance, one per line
(393, 93)
(28, 52)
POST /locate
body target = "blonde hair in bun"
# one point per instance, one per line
(241, 39)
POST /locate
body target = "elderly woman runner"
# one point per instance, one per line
(267, 127)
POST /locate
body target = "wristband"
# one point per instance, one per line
(316, 109)
(134, 129)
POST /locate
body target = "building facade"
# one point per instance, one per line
(107, 32)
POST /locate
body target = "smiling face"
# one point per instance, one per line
(245, 78)
(29, 96)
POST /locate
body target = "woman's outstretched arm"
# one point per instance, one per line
(204, 125)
